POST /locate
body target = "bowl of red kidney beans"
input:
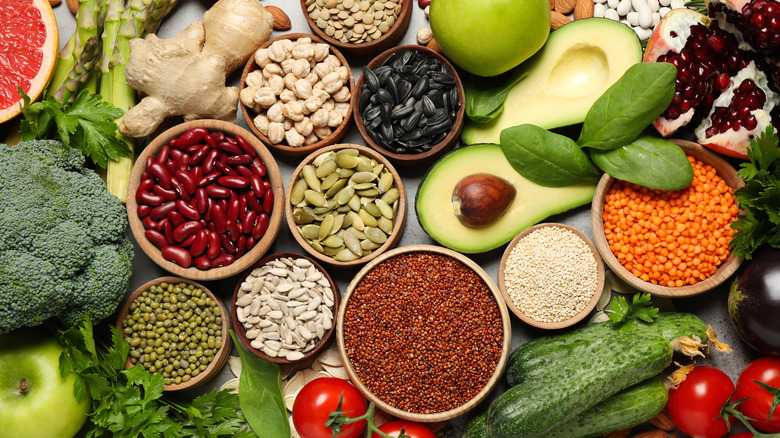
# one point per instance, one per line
(205, 200)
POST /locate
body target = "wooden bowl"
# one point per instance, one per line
(495, 377)
(240, 330)
(724, 271)
(400, 215)
(438, 149)
(579, 316)
(281, 148)
(251, 256)
(219, 358)
(388, 39)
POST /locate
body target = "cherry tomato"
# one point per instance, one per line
(318, 398)
(410, 429)
(695, 405)
(765, 370)
(742, 435)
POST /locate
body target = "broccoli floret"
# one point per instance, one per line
(64, 249)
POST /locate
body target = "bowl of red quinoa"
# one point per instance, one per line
(424, 333)
(551, 276)
(670, 243)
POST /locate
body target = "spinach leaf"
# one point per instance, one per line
(546, 158)
(628, 106)
(648, 161)
(484, 99)
(260, 395)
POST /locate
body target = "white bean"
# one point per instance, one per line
(663, 11)
(598, 10)
(611, 14)
(677, 4)
(653, 5)
(601, 2)
(643, 34)
(624, 7)
(665, 2)
(645, 18)
(633, 18)
(639, 5)
(613, 3)
(656, 18)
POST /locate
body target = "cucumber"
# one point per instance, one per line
(536, 406)
(627, 408)
(536, 356)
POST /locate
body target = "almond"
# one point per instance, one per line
(281, 20)
(433, 45)
(552, 4)
(619, 433)
(583, 9)
(653, 433)
(73, 5)
(557, 19)
(55, 2)
(662, 421)
(564, 6)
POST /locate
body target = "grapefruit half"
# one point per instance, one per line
(29, 42)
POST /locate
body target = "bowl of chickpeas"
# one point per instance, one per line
(178, 328)
(296, 94)
(670, 243)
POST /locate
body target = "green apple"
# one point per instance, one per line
(489, 37)
(34, 400)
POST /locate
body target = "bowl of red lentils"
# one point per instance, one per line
(551, 276)
(423, 333)
(670, 243)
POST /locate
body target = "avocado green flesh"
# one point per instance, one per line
(576, 65)
(532, 202)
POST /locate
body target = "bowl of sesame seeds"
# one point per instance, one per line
(551, 276)
(423, 333)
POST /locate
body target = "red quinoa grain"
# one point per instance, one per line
(423, 332)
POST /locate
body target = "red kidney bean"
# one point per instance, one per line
(186, 210)
(240, 246)
(233, 231)
(161, 225)
(180, 190)
(170, 165)
(161, 174)
(233, 209)
(208, 162)
(217, 137)
(257, 184)
(242, 204)
(224, 169)
(250, 242)
(149, 223)
(168, 195)
(216, 191)
(244, 171)
(146, 184)
(176, 218)
(214, 249)
(258, 167)
(238, 159)
(218, 218)
(222, 203)
(227, 245)
(145, 175)
(222, 260)
(149, 161)
(187, 181)
(199, 155)
(229, 148)
(194, 148)
(161, 211)
(201, 200)
(174, 143)
(252, 203)
(230, 140)
(149, 199)
(211, 140)
(177, 255)
(162, 156)
(197, 173)
(248, 219)
(199, 244)
(168, 232)
(268, 200)
(185, 230)
(156, 238)
(208, 179)
(188, 242)
(175, 153)
(233, 182)
(143, 210)
(245, 146)
(260, 226)
(266, 184)
(203, 262)
(183, 163)
(191, 137)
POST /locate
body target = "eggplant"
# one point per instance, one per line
(754, 302)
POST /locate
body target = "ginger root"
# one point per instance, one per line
(185, 75)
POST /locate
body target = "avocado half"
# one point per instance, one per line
(532, 202)
(577, 64)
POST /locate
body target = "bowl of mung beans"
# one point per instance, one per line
(551, 276)
(359, 27)
(423, 333)
(178, 328)
(345, 205)
(284, 307)
(670, 243)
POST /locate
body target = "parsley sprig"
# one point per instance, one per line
(759, 199)
(620, 312)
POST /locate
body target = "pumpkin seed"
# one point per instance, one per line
(345, 172)
(368, 220)
(365, 164)
(359, 234)
(362, 177)
(352, 242)
(296, 194)
(325, 227)
(384, 208)
(376, 235)
(326, 169)
(385, 225)
(391, 195)
(319, 159)
(331, 251)
(346, 255)
(310, 176)
(368, 192)
(378, 168)
(310, 231)
(348, 218)
(338, 185)
(369, 245)
(317, 246)
(329, 181)
(363, 186)
(302, 217)
(372, 209)
(385, 182)
(338, 222)
(333, 241)
(354, 203)
(346, 161)
(345, 195)
(315, 198)
(330, 204)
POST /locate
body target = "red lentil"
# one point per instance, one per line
(423, 332)
(671, 238)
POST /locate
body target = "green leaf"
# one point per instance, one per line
(641, 308)
(628, 106)
(619, 310)
(648, 161)
(546, 158)
(260, 395)
(775, 397)
(485, 100)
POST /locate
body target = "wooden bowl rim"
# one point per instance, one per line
(220, 358)
(398, 225)
(240, 331)
(579, 316)
(439, 148)
(497, 373)
(290, 151)
(724, 271)
(388, 39)
(251, 256)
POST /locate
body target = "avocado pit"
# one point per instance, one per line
(481, 198)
